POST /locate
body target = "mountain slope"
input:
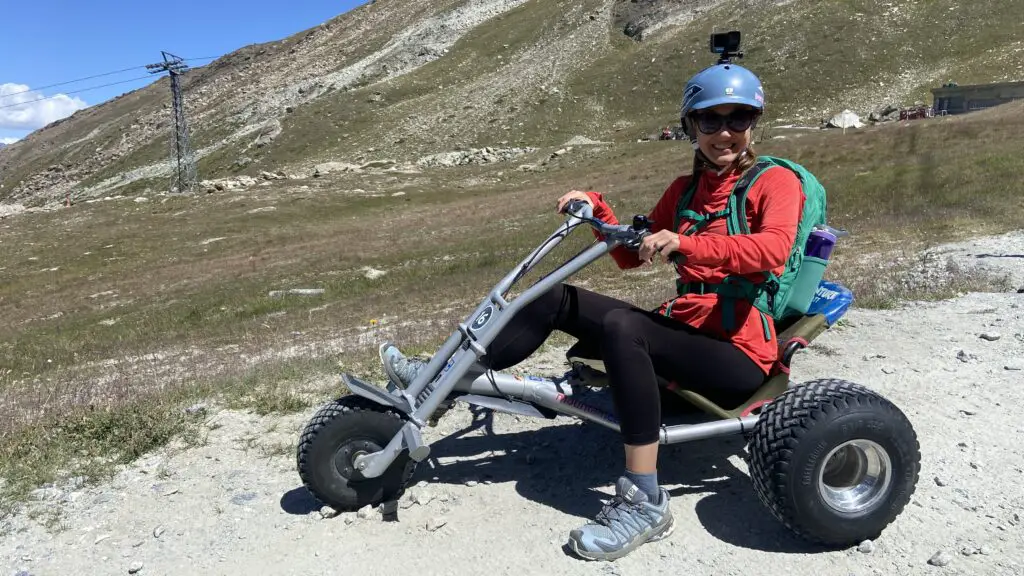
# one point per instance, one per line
(400, 80)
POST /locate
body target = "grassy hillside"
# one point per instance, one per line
(536, 74)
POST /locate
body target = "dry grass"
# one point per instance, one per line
(120, 314)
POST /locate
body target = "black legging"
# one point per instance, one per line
(635, 345)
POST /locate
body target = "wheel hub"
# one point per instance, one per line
(856, 476)
(345, 457)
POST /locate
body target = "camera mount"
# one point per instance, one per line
(727, 45)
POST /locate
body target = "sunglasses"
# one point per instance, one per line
(736, 121)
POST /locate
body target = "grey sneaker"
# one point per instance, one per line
(400, 369)
(627, 521)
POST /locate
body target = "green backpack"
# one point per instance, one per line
(774, 296)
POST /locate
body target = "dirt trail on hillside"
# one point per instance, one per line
(500, 493)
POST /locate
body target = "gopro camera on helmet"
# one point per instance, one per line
(727, 44)
(723, 83)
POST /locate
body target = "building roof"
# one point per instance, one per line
(969, 87)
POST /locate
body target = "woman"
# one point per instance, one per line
(685, 339)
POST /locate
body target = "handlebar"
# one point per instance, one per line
(580, 209)
(628, 235)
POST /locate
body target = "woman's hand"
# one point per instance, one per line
(569, 197)
(663, 242)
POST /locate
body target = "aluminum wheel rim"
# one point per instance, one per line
(345, 456)
(856, 476)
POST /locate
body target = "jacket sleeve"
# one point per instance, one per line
(662, 215)
(777, 202)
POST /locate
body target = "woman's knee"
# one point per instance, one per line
(623, 326)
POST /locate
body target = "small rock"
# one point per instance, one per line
(371, 273)
(471, 483)
(328, 512)
(422, 497)
(135, 567)
(888, 371)
(940, 558)
(158, 531)
(867, 547)
(990, 336)
(349, 518)
(1014, 367)
(242, 498)
(939, 481)
(365, 511)
(975, 465)
(985, 550)
(101, 538)
(968, 550)
(138, 543)
(389, 511)
(963, 356)
(436, 523)
(968, 412)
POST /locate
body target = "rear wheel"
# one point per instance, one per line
(338, 433)
(833, 461)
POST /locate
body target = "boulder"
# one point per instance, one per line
(845, 119)
(267, 133)
(328, 167)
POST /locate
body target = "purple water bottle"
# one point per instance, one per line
(820, 244)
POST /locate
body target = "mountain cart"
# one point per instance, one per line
(833, 461)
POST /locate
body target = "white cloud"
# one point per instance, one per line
(19, 112)
(8, 140)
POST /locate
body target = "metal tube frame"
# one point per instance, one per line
(454, 373)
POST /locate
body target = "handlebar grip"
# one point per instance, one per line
(580, 209)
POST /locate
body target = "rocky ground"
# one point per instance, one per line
(500, 493)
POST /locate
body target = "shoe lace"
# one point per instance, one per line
(617, 510)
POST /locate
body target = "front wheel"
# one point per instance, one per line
(339, 432)
(834, 462)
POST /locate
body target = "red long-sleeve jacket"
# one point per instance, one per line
(773, 210)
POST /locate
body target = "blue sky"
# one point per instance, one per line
(56, 41)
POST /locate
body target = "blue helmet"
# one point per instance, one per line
(721, 84)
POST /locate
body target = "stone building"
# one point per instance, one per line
(954, 99)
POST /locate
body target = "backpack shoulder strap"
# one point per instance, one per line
(738, 199)
(683, 205)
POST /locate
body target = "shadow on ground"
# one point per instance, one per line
(571, 468)
(299, 501)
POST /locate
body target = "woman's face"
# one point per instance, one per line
(730, 127)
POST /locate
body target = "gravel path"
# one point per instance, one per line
(501, 497)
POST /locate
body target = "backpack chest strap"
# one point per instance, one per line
(701, 220)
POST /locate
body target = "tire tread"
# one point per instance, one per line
(791, 416)
(345, 406)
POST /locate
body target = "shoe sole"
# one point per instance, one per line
(665, 532)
